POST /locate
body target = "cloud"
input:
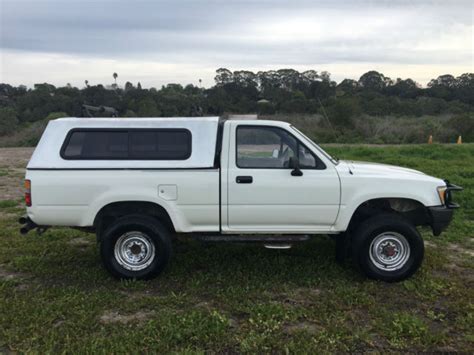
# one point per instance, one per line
(181, 36)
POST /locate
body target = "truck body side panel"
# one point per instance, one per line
(74, 197)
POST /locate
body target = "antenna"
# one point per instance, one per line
(327, 119)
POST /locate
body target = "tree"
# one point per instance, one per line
(269, 83)
(322, 90)
(45, 87)
(465, 88)
(348, 86)
(128, 86)
(223, 76)
(289, 79)
(374, 80)
(242, 91)
(245, 78)
(8, 120)
(310, 75)
(444, 87)
(404, 88)
(465, 80)
(326, 76)
(148, 108)
(446, 80)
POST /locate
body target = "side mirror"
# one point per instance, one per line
(295, 165)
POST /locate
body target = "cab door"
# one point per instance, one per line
(265, 193)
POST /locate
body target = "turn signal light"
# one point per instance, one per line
(442, 194)
(28, 193)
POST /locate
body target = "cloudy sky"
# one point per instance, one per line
(157, 42)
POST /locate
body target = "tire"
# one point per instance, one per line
(386, 247)
(343, 247)
(135, 247)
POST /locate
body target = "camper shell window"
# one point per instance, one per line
(127, 144)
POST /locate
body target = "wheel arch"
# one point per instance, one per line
(113, 210)
(411, 209)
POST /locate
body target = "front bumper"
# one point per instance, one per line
(440, 217)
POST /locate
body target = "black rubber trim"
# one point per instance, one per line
(217, 165)
(217, 156)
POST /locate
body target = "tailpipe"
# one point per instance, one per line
(29, 225)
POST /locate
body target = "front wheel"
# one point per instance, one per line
(387, 247)
(135, 247)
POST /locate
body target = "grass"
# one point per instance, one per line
(8, 203)
(56, 297)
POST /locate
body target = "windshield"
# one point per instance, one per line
(333, 160)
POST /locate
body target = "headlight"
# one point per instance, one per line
(442, 194)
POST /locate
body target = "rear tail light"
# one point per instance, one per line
(28, 193)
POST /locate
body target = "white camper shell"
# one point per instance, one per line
(200, 130)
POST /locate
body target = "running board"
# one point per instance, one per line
(252, 238)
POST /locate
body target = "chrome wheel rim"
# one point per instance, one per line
(134, 251)
(389, 251)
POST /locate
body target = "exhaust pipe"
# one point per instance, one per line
(28, 225)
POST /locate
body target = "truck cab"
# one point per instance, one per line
(137, 182)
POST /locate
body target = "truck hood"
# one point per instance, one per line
(363, 181)
(366, 168)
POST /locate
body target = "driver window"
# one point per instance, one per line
(306, 158)
(264, 147)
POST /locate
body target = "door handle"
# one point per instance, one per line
(244, 179)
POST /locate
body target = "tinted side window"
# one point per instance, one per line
(143, 145)
(160, 145)
(74, 147)
(264, 147)
(272, 148)
(97, 145)
(132, 144)
(174, 144)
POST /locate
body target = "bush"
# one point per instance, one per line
(463, 125)
(341, 113)
(56, 115)
(8, 120)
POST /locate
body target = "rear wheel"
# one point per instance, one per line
(387, 247)
(135, 247)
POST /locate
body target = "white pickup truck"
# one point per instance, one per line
(137, 182)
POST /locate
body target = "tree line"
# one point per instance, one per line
(284, 91)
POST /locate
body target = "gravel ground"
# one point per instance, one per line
(12, 171)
